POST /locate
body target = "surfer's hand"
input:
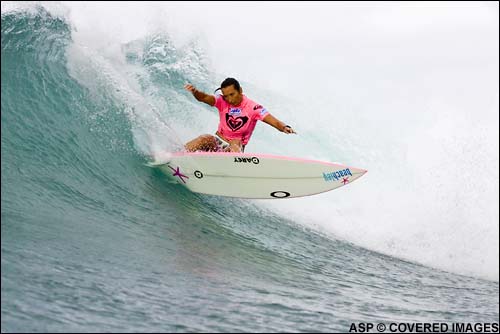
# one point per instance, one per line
(189, 88)
(288, 129)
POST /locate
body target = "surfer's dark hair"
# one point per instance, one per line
(228, 82)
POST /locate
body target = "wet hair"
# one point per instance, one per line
(228, 82)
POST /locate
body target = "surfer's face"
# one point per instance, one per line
(231, 95)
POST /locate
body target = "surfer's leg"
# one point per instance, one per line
(207, 143)
(235, 146)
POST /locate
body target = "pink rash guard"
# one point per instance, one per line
(238, 122)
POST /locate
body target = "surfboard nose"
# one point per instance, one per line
(358, 172)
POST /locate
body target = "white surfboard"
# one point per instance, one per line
(249, 175)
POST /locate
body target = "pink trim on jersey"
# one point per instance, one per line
(238, 122)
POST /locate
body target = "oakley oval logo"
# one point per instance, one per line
(280, 194)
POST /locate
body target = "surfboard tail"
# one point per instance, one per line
(159, 158)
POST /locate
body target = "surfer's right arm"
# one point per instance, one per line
(200, 96)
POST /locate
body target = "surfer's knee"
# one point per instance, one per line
(201, 143)
(207, 143)
(207, 138)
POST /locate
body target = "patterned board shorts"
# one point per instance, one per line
(223, 146)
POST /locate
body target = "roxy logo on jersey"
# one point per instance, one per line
(335, 176)
(235, 123)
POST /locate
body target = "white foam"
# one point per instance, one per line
(410, 94)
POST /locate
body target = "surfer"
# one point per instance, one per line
(238, 117)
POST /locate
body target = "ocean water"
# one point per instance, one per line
(95, 241)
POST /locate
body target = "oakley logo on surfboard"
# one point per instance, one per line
(255, 160)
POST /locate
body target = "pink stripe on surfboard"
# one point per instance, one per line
(270, 156)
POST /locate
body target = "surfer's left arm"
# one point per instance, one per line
(273, 121)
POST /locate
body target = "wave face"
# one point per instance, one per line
(93, 240)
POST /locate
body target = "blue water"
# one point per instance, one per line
(93, 240)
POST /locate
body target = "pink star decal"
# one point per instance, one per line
(179, 174)
(345, 180)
